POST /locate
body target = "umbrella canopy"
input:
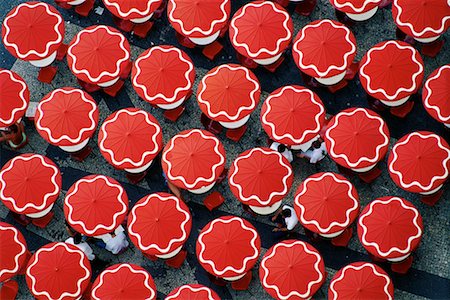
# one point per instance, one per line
(95, 205)
(324, 48)
(66, 117)
(58, 271)
(391, 71)
(130, 138)
(98, 54)
(292, 269)
(193, 159)
(261, 30)
(421, 19)
(14, 97)
(192, 292)
(228, 246)
(33, 31)
(228, 93)
(326, 203)
(292, 115)
(360, 281)
(13, 251)
(29, 183)
(260, 177)
(436, 94)
(130, 10)
(124, 281)
(420, 162)
(357, 138)
(355, 6)
(163, 75)
(390, 227)
(159, 224)
(198, 19)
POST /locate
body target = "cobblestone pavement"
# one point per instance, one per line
(430, 275)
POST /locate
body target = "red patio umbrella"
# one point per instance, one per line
(261, 30)
(292, 269)
(14, 97)
(293, 115)
(98, 55)
(358, 10)
(193, 160)
(435, 95)
(124, 280)
(121, 137)
(359, 281)
(29, 184)
(58, 271)
(67, 117)
(135, 11)
(228, 247)
(13, 251)
(229, 93)
(201, 21)
(324, 49)
(391, 71)
(163, 75)
(192, 292)
(95, 205)
(33, 31)
(424, 20)
(357, 138)
(159, 224)
(260, 177)
(326, 203)
(390, 228)
(420, 162)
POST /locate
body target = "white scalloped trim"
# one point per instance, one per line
(262, 50)
(400, 89)
(120, 200)
(416, 183)
(21, 95)
(193, 290)
(235, 269)
(125, 14)
(242, 108)
(426, 103)
(18, 255)
(349, 3)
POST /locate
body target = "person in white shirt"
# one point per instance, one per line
(283, 150)
(316, 153)
(115, 242)
(76, 240)
(285, 218)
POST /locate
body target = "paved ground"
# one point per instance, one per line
(430, 275)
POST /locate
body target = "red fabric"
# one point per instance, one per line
(193, 292)
(85, 8)
(174, 114)
(14, 97)
(13, 251)
(178, 260)
(243, 283)
(127, 10)
(355, 6)
(436, 94)
(42, 222)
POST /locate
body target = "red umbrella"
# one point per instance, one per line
(357, 138)
(326, 203)
(391, 71)
(13, 251)
(124, 281)
(193, 159)
(192, 292)
(58, 271)
(293, 115)
(359, 281)
(29, 184)
(159, 224)
(136, 11)
(33, 31)
(390, 228)
(424, 20)
(420, 162)
(292, 269)
(121, 135)
(98, 55)
(66, 117)
(95, 205)
(261, 30)
(324, 49)
(435, 95)
(163, 75)
(228, 247)
(261, 178)
(14, 97)
(201, 20)
(358, 10)
(228, 94)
